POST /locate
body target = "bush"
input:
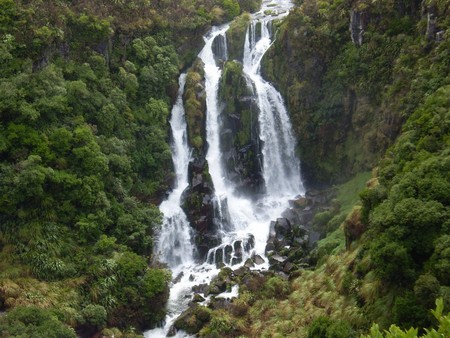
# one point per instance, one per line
(155, 281)
(325, 327)
(426, 290)
(318, 328)
(33, 322)
(407, 312)
(276, 287)
(94, 315)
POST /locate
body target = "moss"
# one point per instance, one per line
(236, 36)
(232, 89)
(194, 105)
(193, 319)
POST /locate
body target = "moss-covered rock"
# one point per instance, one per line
(239, 140)
(193, 319)
(195, 106)
(236, 37)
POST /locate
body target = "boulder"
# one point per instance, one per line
(201, 288)
(197, 298)
(258, 260)
(249, 263)
(178, 278)
(241, 271)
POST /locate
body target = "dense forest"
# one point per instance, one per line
(86, 89)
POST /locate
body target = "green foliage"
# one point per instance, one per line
(94, 315)
(236, 36)
(443, 329)
(232, 8)
(88, 29)
(33, 322)
(324, 327)
(275, 287)
(155, 281)
(84, 158)
(194, 104)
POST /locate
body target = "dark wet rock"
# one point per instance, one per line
(228, 251)
(178, 278)
(249, 263)
(236, 260)
(258, 260)
(293, 235)
(201, 288)
(282, 226)
(219, 303)
(288, 267)
(214, 290)
(221, 283)
(197, 298)
(172, 331)
(253, 281)
(191, 278)
(277, 259)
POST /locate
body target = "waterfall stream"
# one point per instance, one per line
(246, 221)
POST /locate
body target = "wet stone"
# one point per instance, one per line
(249, 263)
(258, 260)
(241, 271)
(228, 251)
(236, 260)
(178, 277)
(201, 288)
(197, 298)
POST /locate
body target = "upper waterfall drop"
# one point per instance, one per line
(281, 166)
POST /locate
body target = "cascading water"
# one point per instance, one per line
(281, 167)
(212, 78)
(174, 244)
(245, 222)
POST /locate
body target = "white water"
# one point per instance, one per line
(281, 167)
(212, 77)
(242, 216)
(174, 244)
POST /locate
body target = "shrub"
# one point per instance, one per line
(324, 327)
(426, 290)
(276, 287)
(94, 315)
(33, 322)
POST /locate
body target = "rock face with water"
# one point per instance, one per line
(197, 200)
(198, 204)
(240, 142)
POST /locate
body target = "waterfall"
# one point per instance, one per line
(212, 77)
(244, 222)
(281, 167)
(174, 245)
